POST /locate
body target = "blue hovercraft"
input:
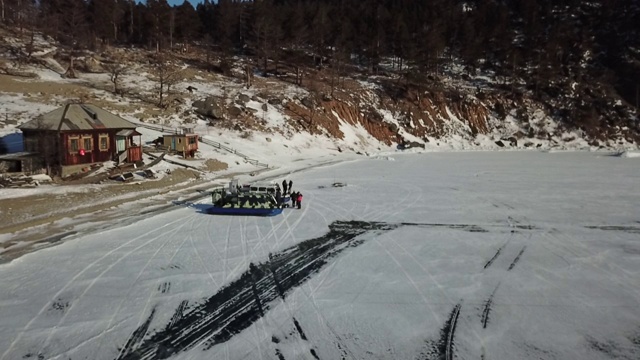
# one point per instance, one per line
(243, 203)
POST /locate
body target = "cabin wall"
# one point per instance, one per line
(47, 145)
(96, 151)
(181, 143)
(135, 154)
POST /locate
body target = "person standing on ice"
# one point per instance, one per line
(293, 199)
(278, 198)
(284, 186)
(299, 199)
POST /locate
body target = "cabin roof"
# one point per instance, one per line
(127, 132)
(77, 117)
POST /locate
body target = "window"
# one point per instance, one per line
(103, 142)
(192, 140)
(74, 144)
(87, 143)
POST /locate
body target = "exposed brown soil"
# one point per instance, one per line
(32, 219)
(215, 165)
(41, 91)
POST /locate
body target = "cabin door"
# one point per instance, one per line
(121, 143)
(173, 143)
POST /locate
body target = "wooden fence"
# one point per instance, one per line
(215, 144)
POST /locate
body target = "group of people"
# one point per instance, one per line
(296, 197)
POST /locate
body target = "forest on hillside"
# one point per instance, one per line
(538, 42)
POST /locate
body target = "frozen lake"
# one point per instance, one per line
(437, 256)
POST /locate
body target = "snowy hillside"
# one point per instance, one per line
(359, 117)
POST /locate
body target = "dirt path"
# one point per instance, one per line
(35, 222)
(32, 220)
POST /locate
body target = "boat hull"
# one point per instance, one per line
(214, 210)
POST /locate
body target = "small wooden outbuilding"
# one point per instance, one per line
(186, 144)
(22, 162)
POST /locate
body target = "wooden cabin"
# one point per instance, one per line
(186, 144)
(78, 135)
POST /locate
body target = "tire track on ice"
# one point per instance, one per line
(137, 335)
(495, 256)
(286, 304)
(453, 321)
(204, 266)
(95, 280)
(288, 307)
(233, 308)
(152, 294)
(627, 284)
(225, 265)
(417, 195)
(515, 261)
(398, 263)
(209, 235)
(117, 311)
(340, 343)
(487, 308)
(445, 347)
(57, 295)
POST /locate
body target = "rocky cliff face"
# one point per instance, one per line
(450, 112)
(419, 115)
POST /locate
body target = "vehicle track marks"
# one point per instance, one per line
(170, 260)
(137, 336)
(303, 336)
(233, 308)
(279, 355)
(225, 261)
(624, 228)
(464, 227)
(178, 313)
(487, 308)
(202, 262)
(448, 332)
(57, 295)
(126, 295)
(515, 261)
(164, 288)
(494, 257)
(111, 266)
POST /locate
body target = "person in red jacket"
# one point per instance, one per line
(299, 199)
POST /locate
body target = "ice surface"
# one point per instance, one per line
(480, 255)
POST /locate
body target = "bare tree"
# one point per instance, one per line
(159, 13)
(71, 71)
(265, 33)
(116, 70)
(172, 26)
(248, 71)
(166, 75)
(299, 74)
(21, 13)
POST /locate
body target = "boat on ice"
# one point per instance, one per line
(243, 203)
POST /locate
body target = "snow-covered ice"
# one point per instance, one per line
(470, 255)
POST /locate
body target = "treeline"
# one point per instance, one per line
(542, 39)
